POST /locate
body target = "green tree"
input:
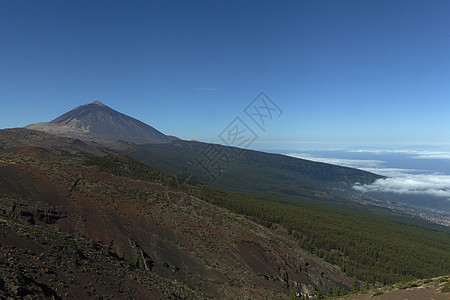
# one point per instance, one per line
(336, 292)
(330, 292)
(320, 295)
(356, 288)
(343, 292)
(293, 296)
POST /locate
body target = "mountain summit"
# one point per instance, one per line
(96, 121)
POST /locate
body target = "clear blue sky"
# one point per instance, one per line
(341, 71)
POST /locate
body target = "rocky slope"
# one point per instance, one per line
(39, 262)
(157, 229)
(433, 288)
(19, 137)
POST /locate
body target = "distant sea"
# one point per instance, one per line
(411, 171)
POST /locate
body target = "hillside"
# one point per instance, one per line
(250, 171)
(437, 288)
(20, 137)
(378, 247)
(39, 262)
(178, 229)
(146, 224)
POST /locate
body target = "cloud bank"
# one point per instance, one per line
(414, 184)
(400, 181)
(419, 154)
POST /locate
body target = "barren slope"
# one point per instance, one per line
(163, 231)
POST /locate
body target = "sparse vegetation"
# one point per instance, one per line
(356, 288)
(135, 220)
(371, 247)
(378, 293)
(446, 287)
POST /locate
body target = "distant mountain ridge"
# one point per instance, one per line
(98, 122)
(250, 172)
(253, 172)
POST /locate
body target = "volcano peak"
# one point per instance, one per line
(96, 102)
(98, 122)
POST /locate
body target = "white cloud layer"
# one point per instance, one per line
(400, 181)
(418, 184)
(433, 155)
(419, 154)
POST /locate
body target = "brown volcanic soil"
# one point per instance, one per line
(416, 294)
(15, 138)
(165, 233)
(416, 290)
(38, 263)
